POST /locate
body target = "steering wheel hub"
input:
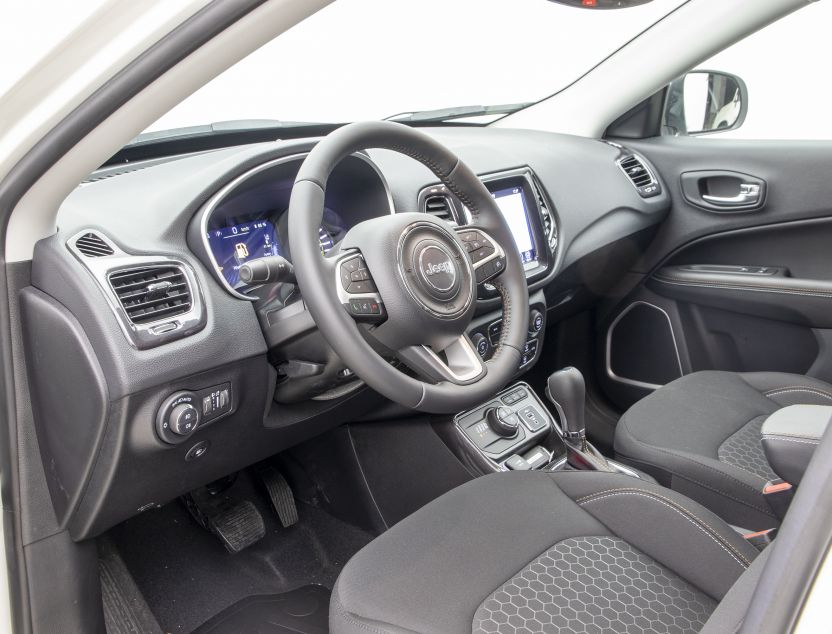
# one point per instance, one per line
(435, 270)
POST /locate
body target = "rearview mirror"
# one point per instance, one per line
(704, 101)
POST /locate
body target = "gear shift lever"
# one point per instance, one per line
(567, 392)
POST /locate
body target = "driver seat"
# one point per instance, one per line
(550, 552)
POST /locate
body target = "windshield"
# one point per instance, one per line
(372, 59)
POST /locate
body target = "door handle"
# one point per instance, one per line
(723, 191)
(749, 195)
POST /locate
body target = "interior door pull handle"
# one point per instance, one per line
(749, 195)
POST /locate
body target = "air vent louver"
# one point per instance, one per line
(439, 206)
(93, 246)
(640, 176)
(151, 293)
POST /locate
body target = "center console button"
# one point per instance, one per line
(481, 344)
(535, 322)
(517, 463)
(532, 419)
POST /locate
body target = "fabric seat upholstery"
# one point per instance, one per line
(700, 435)
(537, 551)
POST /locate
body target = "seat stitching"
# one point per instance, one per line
(356, 621)
(688, 515)
(804, 441)
(796, 388)
(694, 461)
(669, 501)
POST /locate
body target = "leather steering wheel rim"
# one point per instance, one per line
(316, 279)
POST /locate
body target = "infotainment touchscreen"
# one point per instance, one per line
(235, 245)
(512, 204)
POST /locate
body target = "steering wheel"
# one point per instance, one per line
(403, 286)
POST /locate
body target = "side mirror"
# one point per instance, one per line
(704, 101)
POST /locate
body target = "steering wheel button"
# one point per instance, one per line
(351, 265)
(358, 288)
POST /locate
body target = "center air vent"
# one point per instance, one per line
(93, 246)
(640, 175)
(439, 206)
(152, 293)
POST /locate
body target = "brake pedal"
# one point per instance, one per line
(237, 523)
(280, 493)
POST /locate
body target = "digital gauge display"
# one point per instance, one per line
(325, 240)
(237, 244)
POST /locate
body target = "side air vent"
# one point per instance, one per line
(550, 227)
(439, 206)
(93, 246)
(152, 293)
(640, 175)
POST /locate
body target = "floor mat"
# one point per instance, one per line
(187, 576)
(301, 611)
(125, 610)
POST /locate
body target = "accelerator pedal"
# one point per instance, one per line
(237, 523)
(280, 493)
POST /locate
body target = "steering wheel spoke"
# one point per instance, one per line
(487, 256)
(356, 288)
(456, 362)
(412, 272)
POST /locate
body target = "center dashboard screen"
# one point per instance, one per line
(512, 204)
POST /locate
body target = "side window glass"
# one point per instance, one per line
(768, 86)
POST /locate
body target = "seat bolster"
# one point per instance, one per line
(789, 389)
(693, 542)
(735, 493)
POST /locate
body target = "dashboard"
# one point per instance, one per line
(141, 286)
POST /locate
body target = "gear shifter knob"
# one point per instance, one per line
(567, 391)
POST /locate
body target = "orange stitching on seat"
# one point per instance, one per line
(672, 504)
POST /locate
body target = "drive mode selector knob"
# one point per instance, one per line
(502, 421)
(178, 417)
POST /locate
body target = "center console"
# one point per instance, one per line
(508, 432)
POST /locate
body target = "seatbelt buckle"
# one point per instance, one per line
(761, 539)
(778, 494)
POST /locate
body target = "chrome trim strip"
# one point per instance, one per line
(608, 352)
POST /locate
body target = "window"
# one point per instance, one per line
(785, 68)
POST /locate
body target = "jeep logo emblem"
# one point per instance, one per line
(438, 269)
(444, 267)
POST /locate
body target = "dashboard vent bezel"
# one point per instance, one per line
(430, 207)
(640, 175)
(160, 288)
(143, 334)
(453, 215)
(93, 245)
